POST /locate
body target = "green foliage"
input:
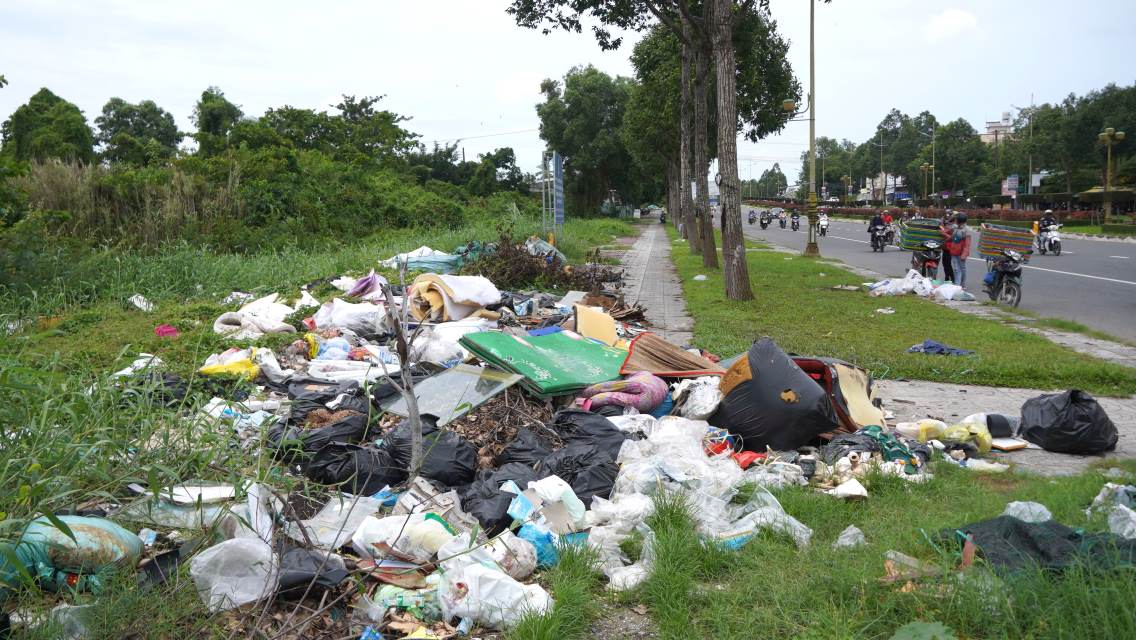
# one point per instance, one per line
(139, 134)
(214, 116)
(48, 127)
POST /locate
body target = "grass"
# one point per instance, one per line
(796, 305)
(770, 589)
(574, 582)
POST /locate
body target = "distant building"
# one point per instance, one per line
(998, 130)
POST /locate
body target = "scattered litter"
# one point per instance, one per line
(932, 347)
(849, 538)
(700, 277)
(886, 310)
(1028, 511)
(234, 572)
(165, 331)
(141, 303)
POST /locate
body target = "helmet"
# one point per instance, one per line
(1049, 211)
(961, 217)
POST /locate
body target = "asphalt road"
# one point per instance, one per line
(1092, 282)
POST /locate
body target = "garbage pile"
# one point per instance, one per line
(544, 421)
(922, 286)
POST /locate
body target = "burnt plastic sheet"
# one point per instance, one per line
(454, 392)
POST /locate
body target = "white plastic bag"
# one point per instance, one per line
(1122, 522)
(233, 573)
(413, 534)
(1028, 512)
(850, 537)
(946, 292)
(622, 512)
(623, 578)
(635, 423)
(515, 556)
(697, 398)
(333, 526)
(489, 596)
(363, 318)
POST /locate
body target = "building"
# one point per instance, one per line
(998, 130)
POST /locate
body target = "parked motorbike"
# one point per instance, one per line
(926, 258)
(879, 237)
(823, 226)
(782, 222)
(796, 222)
(1049, 239)
(1003, 280)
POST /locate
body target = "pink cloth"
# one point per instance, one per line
(641, 390)
(165, 331)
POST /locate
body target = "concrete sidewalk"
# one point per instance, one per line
(650, 279)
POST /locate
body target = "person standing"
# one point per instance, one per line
(960, 241)
(947, 230)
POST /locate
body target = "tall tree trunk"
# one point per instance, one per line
(736, 269)
(701, 153)
(690, 229)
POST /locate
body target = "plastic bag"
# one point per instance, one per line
(489, 596)
(364, 318)
(623, 578)
(964, 433)
(1069, 422)
(922, 430)
(697, 398)
(527, 448)
(543, 543)
(1122, 522)
(850, 537)
(234, 362)
(233, 573)
(446, 457)
(1028, 511)
(483, 499)
(589, 470)
(418, 535)
(516, 556)
(99, 547)
(334, 524)
(621, 513)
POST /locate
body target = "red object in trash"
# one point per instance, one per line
(310, 323)
(746, 458)
(165, 331)
(719, 446)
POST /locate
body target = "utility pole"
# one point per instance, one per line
(811, 249)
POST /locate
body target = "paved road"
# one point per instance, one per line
(1092, 282)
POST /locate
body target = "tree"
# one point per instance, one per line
(582, 122)
(48, 127)
(215, 117)
(371, 135)
(509, 176)
(960, 155)
(484, 180)
(772, 182)
(139, 134)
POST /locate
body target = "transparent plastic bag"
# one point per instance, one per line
(335, 523)
(1028, 512)
(850, 537)
(233, 573)
(489, 597)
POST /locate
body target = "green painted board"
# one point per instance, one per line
(555, 364)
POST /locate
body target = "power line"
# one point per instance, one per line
(487, 135)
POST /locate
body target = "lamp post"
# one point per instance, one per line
(925, 168)
(846, 180)
(811, 249)
(934, 186)
(1109, 137)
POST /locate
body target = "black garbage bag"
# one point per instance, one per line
(446, 457)
(308, 395)
(588, 469)
(299, 567)
(484, 500)
(527, 448)
(1069, 422)
(358, 470)
(1012, 545)
(770, 402)
(292, 442)
(585, 427)
(384, 390)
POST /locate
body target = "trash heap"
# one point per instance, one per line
(546, 421)
(922, 286)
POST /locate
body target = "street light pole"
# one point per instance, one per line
(811, 249)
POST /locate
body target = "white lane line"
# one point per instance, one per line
(1121, 257)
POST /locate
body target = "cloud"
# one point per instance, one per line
(948, 24)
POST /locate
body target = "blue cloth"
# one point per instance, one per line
(664, 409)
(931, 347)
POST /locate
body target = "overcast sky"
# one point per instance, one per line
(463, 71)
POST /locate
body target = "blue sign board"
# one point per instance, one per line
(558, 188)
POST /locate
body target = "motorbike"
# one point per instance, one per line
(822, 225)
(662, 218)
(752, 217)
(890, 234)
(879, 237)
(782, 222)
(1049, 240)
(1003, 280)
(764, 221)
(796, 222)
(926, 258)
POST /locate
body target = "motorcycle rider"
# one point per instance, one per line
(1047, 219)
(887, 217)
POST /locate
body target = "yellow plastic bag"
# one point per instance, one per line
(922, 430)
(238, 364)
(970, 432)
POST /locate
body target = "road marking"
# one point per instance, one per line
(1121, 257)
(1070, 273)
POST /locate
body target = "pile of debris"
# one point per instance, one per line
(544, 421)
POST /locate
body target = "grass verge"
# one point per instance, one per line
(770, 589)
(796, 305)
(574, 583)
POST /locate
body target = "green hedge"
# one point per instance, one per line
(1119, 229)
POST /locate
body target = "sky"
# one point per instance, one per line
(464, 72)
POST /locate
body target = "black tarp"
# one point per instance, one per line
(770, 402)
(1011, 545)
(1069, 422)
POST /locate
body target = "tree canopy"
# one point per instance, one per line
(139, 134)
(48, 126)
